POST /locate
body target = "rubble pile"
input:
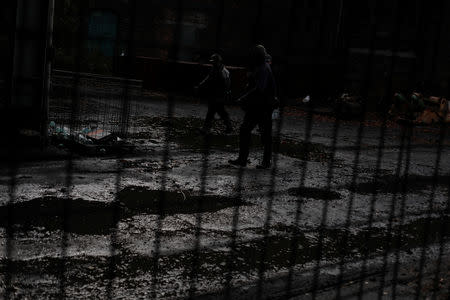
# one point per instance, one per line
(348, 106)
(418, 109)
(90, 140)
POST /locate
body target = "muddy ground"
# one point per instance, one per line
(172, 219)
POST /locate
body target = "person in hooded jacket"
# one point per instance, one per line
(217, 85)
(258, 103)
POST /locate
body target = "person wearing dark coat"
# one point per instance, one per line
(217, 85)
(258, 104)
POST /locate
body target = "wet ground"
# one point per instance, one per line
(172, 218)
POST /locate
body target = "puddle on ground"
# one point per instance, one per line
(142, 200)
(314, 193)
(247, 257)
(91, 217)
(391, 184)
(83, 217)
(184, 131)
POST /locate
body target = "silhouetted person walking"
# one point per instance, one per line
(217, 85)
(258, 104)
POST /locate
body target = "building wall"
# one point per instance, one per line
(23, 43)
(309, 56)
(413, 46)
(6, 26)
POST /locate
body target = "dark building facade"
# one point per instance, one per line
(25, 42)
(6, 50)
(317, 46)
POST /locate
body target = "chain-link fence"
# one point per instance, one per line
(132, 201)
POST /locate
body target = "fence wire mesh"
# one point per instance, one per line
(130, 200)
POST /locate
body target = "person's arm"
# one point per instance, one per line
(245, 96)
(203, 82)
(261, 78)
(227, 81)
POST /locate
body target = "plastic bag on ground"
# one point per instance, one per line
(276, 114)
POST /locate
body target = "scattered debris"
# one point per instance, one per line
(437, 112)
(348, 106)
(57, 131)
(418, 109)
(307, 99)
(276, 114)
(98, 134)
(89, 140)
(184, 196)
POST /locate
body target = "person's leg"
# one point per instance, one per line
(209, 117)
(245, 132)
(266, 138)
(224, 116)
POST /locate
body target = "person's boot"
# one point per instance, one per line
(238, 162)
(264, 165)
